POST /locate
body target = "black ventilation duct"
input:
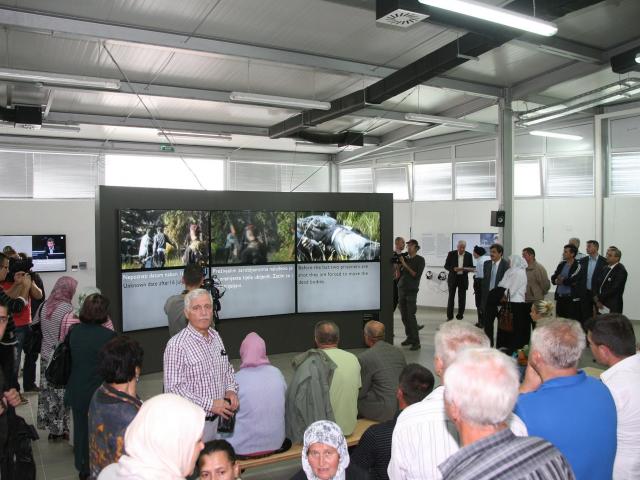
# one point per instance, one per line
(25, 116)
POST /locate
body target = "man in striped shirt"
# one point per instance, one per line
(196, 365)
(482, 388)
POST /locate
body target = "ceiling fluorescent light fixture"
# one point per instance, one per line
(446, 121)
(60, 79)
(196, 135)
(496, 15)
(638, 58)
(563, 136)
(273, 100)
(60, 127)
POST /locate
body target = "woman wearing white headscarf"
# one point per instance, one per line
(162, 442)
(325, 455)
(515, 284)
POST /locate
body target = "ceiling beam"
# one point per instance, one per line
(133, 122)
(562, 48)
(567, 72)
(406, 133)
(87, 29)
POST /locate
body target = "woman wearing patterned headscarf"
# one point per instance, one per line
(515, 284)
(325, 455)
(52, 414)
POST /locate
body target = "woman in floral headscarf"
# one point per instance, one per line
(325, 455)
(515, 284)
(52, 414)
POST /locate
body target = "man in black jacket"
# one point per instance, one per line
(570, 284)
(494, 270)
(594, 264)
(610, 285)
(459, 263)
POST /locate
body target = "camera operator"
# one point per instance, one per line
(15, 299)
(22, 319)
(192, 278)
(411, 270)
(398, 251)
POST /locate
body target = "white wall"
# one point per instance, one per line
(75, 218)
(419, 218)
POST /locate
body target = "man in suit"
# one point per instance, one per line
(492, 294)
(380, 367)
(594, 264)
(610, 284)
(459, 263)
(570, 284)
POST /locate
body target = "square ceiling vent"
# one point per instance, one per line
(402, 18)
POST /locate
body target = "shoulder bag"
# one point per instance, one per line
(505, 316)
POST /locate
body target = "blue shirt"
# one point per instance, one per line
(578, 415)
(479, 264)
(564, 289)
(590, 269)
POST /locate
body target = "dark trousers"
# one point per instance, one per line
(462, 297)
(395, 293)
(567, 308)
(586, 307)
(477, 293)
(81, 438)
(491, 311)
(407, 303)
(7, 363)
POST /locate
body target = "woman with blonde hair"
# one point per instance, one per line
(542, 310)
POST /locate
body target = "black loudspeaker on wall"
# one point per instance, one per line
(497, 218)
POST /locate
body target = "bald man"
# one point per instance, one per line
(380, 367)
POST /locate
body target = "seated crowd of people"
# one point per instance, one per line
(488, 418)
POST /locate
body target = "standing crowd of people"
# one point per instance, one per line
(487, 418)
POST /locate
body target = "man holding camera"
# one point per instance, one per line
(398, 251)
(19, 268)
(192, 278)
(411, 268)
(15, 299)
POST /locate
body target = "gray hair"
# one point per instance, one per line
(193, 294)
(326, 333)
(463, 242)
(483, 383)
(574, 241)
(560, 342)
(453, 337)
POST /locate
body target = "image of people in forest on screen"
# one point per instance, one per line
(252, 237)
(163, 238)
(337, 236)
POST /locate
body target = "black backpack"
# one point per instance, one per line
(18, 463)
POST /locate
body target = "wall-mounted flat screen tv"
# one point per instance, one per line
(48, 252)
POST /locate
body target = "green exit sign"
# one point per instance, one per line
(167, 148)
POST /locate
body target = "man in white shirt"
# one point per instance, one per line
(423, 436)
(613, 343)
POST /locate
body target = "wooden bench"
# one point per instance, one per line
(295, 452)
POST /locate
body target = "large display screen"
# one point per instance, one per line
(266, 262)
(484, 240)
(48, 252)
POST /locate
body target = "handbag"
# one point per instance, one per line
(59, 369)
(505, 316)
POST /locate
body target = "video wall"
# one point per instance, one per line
(263, 262)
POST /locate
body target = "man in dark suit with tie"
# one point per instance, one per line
(611, 283)
(459, 263)
(492, 294)
(594, 264)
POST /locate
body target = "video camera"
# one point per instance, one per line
(396, 256)
(18, 265)
(216, 289)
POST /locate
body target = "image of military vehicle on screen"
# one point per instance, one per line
(337, 236)
(163, 238)
(252, 237)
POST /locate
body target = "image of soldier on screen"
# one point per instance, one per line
(252, 237)
(337, 236)
(163, 238)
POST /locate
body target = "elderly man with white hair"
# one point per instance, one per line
(196, 365)
(563, 405)
(423, 436)
(459, 263)
(482, 388)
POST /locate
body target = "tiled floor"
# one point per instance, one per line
(55, 460)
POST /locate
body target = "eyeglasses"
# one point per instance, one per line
(199, 308)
